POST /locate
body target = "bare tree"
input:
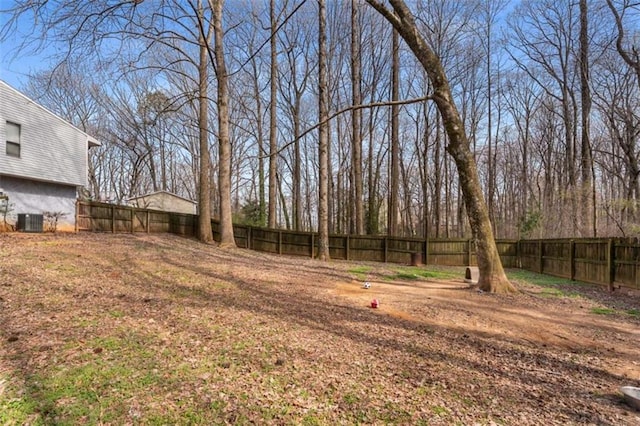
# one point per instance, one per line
(85, 27)
(630, 52)
(544, 33)
(273, 90)
(205, 233)
(356, 120)
(617, 100)
(224, 145)
(249, 114)
(490, 10)
(587, 192)
(522, 102)
(492, 277)
(394, 178)
(70, 92)
(294, 81)
(323, 138)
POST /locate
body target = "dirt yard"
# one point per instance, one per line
(158, 329)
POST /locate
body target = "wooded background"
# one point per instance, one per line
(548, 92)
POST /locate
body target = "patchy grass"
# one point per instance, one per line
(16, 410)
(411, 273)
(603, 302)
(603, 311)
(439, 410)
(97, 385)
(157, 329)
(405, 273)
(360, 272)
(540, 280)
(633, 312)
(552, 292)
(551, 286)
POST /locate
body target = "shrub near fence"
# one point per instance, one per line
(607, 261)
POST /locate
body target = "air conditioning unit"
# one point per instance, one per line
(28, 222)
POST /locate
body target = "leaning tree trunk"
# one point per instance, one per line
(492, 276)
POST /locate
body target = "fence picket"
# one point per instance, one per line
(603, 261)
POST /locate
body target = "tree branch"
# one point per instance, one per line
(348, 109)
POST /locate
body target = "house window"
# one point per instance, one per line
(13, 139)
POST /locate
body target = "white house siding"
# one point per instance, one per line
(50, 148)
(32, 197)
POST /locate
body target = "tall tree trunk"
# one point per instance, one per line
(323, 136)
(262, 204)
(205, 233)
(525, 168)
(589, 225)
(372, 211)
(163, 166)
(297, 173)
(356, 119)
(394, 184)
(447, 199)
(492, 277)
(407, 221)
(273, 146)
(331, 215)
(224, 144)
(423, 166)
(490, 156)
(283, 203)
(437, 192)
(570, 158)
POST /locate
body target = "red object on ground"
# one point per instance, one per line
(374, 303)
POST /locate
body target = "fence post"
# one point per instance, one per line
(611, 263)
(113, 219)
(279, 242)
(540, 257)
(133, 218)
(386, 248)
(426, 251)
(572, 260)
(346, 246)
(93, 223)
(249, 236)
(313, 244)
(469, 252)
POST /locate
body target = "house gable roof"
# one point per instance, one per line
(90, 139)
(150, 194)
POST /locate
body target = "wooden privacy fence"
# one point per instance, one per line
(102, 217)
(606, 261)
